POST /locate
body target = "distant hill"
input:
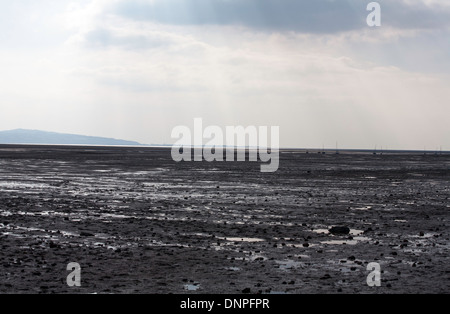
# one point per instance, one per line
(21, 136)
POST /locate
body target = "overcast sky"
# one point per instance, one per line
(135, 69)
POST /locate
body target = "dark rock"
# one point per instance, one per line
(339, 230)
(246, 290)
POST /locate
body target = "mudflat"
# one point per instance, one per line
(138, 222)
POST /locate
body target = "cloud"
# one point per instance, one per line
(135, 69)
(307, 16)
(314, 16)
(104, 38)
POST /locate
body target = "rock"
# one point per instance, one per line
(86, 234)
(246, 290)
(339, 230)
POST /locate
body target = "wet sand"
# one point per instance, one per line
(137, 222)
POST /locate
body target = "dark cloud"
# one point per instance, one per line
(308, 16)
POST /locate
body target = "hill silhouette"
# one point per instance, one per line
(22, 136)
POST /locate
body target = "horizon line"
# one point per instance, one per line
(305, 149)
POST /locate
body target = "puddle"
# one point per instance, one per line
(192, 287)
(117, 216)
(301, 246)
(289, 264)
(354, 241)
(319, 231)
(363, 208)
(353, 232)
(233, 268)
(258, 258)
(419, 237)
(21, 185)
(249, 240)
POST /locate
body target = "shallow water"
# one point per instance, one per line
(140, 222)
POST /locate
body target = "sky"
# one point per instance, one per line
(135, 69)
